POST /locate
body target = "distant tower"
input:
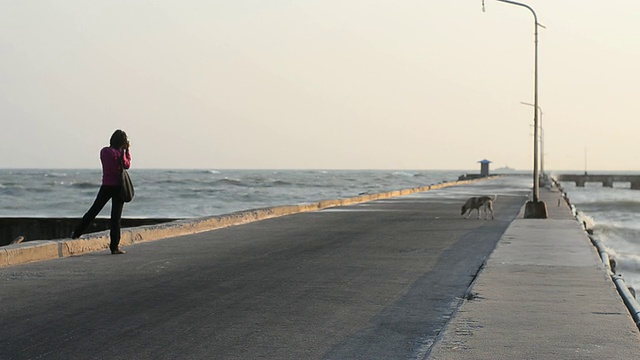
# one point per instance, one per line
(484, 167)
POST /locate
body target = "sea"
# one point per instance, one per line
(197, 193)
(613, 213)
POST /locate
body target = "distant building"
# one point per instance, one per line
(484, 167)
(484, 171)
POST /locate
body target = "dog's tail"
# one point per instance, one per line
(494, 198)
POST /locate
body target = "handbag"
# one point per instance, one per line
(126, 185)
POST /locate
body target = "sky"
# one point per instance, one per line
(319, 84)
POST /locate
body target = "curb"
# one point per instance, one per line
(39, 250)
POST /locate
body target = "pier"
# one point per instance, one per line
(606, 180)
(387, 276)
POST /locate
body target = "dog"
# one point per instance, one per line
(475, 203)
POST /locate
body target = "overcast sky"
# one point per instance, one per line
(323, 84)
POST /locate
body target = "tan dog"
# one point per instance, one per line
(475, 203)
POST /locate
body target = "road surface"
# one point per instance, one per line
(377, 280)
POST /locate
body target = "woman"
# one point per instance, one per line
(112, 158)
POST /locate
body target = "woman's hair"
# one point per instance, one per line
(118, 139)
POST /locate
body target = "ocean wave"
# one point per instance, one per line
(55, 174)
(195, 194)
(585, 219)
(12, 185)
(627, 264)
(9, 193)
(84, 185)
(41, 190)
(281, 183)
(403, 173)
(615, 226)
(181, 182)
(626, 261)
(619, 240)
(625, 205)
(227, 181)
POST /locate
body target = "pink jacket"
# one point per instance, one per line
(110, 158)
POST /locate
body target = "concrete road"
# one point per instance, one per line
(373, 281)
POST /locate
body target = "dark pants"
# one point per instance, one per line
(105, 193)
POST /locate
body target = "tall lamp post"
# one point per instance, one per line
(534, 209)
(541, 139)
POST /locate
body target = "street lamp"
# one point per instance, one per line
(541, 139)
(535, 208)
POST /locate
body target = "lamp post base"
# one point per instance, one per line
(535, 210)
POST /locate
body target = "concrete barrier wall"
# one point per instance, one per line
(59, 228)
(48, 249)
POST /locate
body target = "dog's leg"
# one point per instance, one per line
(478, 212)
(491, 209)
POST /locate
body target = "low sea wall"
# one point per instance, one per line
(35, 228)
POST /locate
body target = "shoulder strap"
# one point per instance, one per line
(122, 161)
